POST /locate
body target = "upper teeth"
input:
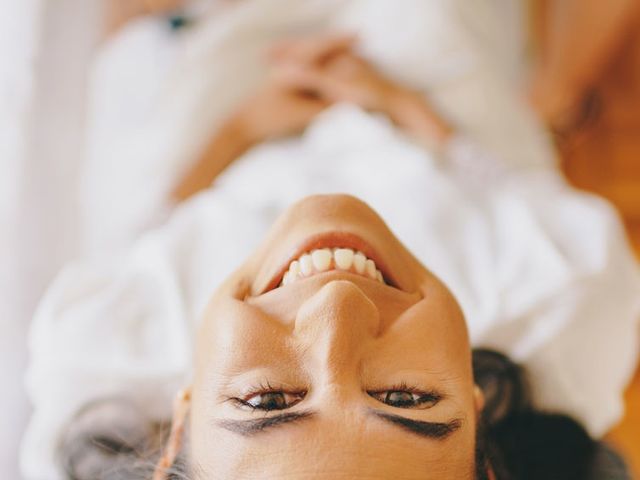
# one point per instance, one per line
(325, 259)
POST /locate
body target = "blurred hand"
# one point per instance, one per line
(277, 110)
(327, 67)
(308, 76)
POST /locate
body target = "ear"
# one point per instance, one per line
(181, 407)
(478, 400)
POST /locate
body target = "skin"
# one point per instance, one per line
(307, 76)
(327, 342)
(577, 41)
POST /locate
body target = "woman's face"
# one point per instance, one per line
(334, 374)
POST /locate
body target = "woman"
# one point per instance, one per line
(139, 310)
(333, 353)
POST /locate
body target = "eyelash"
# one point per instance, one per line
(425, 396)
(264, 387)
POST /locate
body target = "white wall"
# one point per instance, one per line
(45, 47)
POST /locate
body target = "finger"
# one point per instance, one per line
(313, 80)
(318, 50)
(311, 106)
(313, 50)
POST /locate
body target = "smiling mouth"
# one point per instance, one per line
(328, 259)
(332, 252)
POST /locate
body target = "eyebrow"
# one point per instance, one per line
(258, 425)
(431, 430)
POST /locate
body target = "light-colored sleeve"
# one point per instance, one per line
(566, 281)
(124, 325)
(104, 329)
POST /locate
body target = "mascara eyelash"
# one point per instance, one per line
(424, 397)
(261, 388)
(404, 387)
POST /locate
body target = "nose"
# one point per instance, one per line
(335, 323)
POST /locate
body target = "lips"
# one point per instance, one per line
(332, 251)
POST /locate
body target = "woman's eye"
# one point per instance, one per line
(406, 399)
(272, 400)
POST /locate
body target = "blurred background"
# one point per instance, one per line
(576, 62)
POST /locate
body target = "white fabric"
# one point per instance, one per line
(154, 105)
(542, 272)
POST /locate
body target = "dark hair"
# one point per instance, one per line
(522, 443)
(115, 440)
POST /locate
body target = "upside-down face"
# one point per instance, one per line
(333, 353)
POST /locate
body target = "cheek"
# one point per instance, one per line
(433, 332)
(428, 346)
(236, 336)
